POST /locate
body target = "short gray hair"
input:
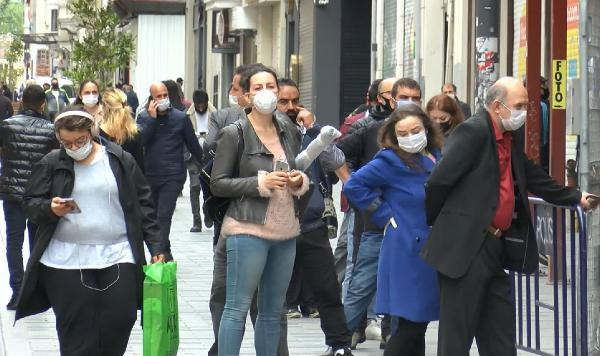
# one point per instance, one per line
(497, 91)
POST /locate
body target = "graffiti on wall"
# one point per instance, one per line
(486, 52)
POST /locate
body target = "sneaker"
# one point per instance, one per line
(357, 338)
(208, 222)
(313, 313)
(293, 313)
(327, 352)
(373, 331)
(196, 228)
(345, 352)
(12, 303)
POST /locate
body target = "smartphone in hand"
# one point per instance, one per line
(282, 166)
(72, 203)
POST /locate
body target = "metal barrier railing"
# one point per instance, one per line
(567, 309)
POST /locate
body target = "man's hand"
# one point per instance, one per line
(152, 108)
(305, 118)
(589, 201)
(159, 258)
(295, 180)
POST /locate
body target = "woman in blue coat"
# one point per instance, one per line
(391, 188)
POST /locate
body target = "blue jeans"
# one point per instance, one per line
(254, 262)
(363, 285)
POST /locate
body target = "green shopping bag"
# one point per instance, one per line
(160, 312)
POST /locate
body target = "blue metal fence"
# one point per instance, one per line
(569, 312)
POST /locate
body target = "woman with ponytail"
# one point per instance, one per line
(118, 124)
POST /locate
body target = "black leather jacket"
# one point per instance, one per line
(25, 139)
(247, 205)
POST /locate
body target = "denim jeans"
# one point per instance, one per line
(254, 262)
(16, 221)
(363, 286)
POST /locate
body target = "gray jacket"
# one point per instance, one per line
(246, 203)
(218, 120)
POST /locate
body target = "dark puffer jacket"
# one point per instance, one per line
(25, 138)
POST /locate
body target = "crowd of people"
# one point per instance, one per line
(429, 192)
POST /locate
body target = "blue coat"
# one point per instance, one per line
(406, 286)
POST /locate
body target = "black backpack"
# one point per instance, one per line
(215, 207)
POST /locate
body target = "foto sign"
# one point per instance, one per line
(559, 84)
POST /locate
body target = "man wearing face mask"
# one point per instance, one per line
(314, 265)
(198, 115)
(360, 146)
(450, 90)
(56, 99)
(165, 132)
(223, 117)
(475, 196)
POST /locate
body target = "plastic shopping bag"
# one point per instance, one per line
(160, 312)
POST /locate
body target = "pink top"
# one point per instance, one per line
(281, 222)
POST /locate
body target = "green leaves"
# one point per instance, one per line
(102, 46)
(9, 74)
(11, 17)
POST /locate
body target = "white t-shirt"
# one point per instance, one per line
(77, 242)
(201, 126)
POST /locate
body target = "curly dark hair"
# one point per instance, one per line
(387, 134)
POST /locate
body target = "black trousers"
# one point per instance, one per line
(197, 186)
(299, 292)
(89, 322)
(315, 259)
(478, 305)
(408, 339)
(165, 191)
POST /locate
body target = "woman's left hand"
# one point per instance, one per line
(159, 258)
(295, 180)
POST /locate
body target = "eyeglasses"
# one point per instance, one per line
(80, 142)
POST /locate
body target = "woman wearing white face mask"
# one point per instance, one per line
(254, 166)
(406, 287)
(94, 210)
(89, 97)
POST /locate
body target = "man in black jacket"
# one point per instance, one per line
(165, 131)
(359, 147)
(476, 193)
(25, 138)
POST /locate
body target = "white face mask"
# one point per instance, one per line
(516, 119)
(404, 103)
(265, 101)
(414, 143)
(81, 153)
(89, 100)
(233, 101)
(163, 104)
(451, 95)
